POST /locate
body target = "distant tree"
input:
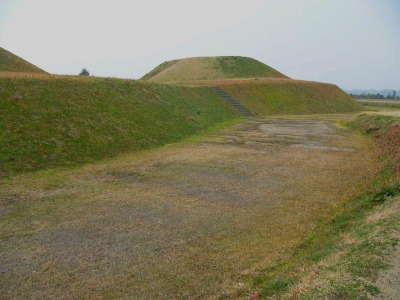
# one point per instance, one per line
(84, 72)
(386, 95)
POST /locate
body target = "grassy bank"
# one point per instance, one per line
(292, 97)
(343, 257)
(48, 121)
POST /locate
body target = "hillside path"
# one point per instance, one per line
(189, 220)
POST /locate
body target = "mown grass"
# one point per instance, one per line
(48, 121)
(211, 68)
(9, 62)
(381, 104)
(342, 258)
(292, 97)
(165, 65)
(177, 222)
(245, 67)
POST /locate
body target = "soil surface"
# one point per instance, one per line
(389, 279)
(185, 221)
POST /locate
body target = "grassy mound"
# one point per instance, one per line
(55, 120)
(12, 63)
(261, 89)
(291, 97)
(211, 68)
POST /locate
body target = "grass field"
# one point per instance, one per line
(192, 220)
(211, 68)
(48, 121)
(383, 108)
(9, 62)
(103, 195)
(353, 254)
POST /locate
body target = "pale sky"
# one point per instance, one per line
(352, 43)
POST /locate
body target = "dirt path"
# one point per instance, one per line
(389, 279)
(186, 221)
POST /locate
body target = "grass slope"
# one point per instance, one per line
(9, 62)
(211, 68)
(291, 97)
(55, 121)
(347, 255)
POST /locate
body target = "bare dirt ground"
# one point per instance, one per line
(184, 221)
(389, 279)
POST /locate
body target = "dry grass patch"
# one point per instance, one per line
(193, 221)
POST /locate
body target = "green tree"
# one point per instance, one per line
(84, 72)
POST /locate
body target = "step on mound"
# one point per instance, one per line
(288, 96)
(10, 62)
(211, 68)
(228, 98)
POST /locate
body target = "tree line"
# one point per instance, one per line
(389, 96)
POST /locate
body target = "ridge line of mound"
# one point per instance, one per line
(10, 62)
(211, 68)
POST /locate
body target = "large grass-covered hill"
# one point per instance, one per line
(260, 88)
(211, 68)
(10, 62)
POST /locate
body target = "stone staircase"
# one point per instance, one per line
(243, 110)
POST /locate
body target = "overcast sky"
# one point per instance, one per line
(352, 43)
